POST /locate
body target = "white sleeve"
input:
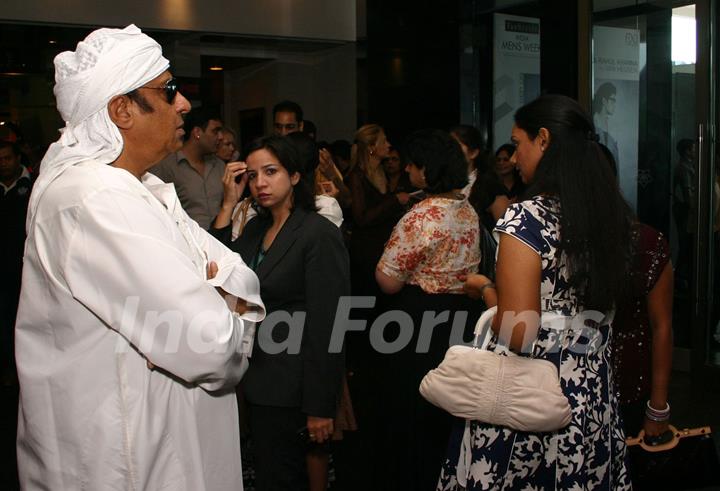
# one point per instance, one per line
(233, 275)
(122, 264)
(329, 208)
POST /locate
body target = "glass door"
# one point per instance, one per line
(654, 108)
(707, 328)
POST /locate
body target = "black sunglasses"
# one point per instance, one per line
(170, 87)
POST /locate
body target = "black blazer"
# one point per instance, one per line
(306, 269)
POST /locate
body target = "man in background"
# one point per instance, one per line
(15, 189)
(195, 170)
(287, 118)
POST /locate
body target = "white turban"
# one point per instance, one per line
(109, 62)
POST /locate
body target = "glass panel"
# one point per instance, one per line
(617, 55)
(644, 111)
(714, 331)
(508, 33)
(684, 194)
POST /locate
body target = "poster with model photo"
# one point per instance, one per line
(516, 75)
(616, 96)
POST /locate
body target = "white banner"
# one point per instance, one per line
(516, 72)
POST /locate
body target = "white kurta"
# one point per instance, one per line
(113, 277)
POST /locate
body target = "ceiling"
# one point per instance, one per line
(30, 49)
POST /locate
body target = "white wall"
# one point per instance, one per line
(313, 19)
(324, 84)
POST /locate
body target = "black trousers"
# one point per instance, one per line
(280, 463)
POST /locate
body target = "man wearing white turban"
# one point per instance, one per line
(127, 355)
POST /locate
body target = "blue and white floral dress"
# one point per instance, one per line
(588, 454)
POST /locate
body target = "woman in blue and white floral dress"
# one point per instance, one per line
(562, 251)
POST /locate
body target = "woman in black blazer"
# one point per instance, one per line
(294, 380)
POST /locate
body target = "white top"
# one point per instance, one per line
(114, 276)
(472, 177)
(329, 208)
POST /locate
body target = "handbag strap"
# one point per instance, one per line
(677, 435)
(483, 328)
(484, 333)
(240, 217)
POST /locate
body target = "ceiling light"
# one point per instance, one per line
(216, 69)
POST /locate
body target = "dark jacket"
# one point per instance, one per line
(306, 269)
(13, 209)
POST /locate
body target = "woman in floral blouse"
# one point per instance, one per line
(431, 250)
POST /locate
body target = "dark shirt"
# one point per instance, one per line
(517, 189)
(485, 190)
(374, 215)
(403, 185)
(13, 209)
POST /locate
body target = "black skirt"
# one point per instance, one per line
(415, 433)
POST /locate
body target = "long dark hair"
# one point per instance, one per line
(287, 155)
(473, 139)
(308, 155)
(595, 220)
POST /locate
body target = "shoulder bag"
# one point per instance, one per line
(503, 389)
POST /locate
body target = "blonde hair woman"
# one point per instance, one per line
(368, 150)
(374, 211)
(374, 214)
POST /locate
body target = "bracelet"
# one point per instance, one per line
(482, 289)
(657, 415)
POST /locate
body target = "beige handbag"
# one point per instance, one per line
(507, 390)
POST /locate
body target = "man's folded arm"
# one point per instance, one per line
(123, 266)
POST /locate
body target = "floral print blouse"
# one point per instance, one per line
(435, 244)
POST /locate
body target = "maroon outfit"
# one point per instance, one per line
(632, 332)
